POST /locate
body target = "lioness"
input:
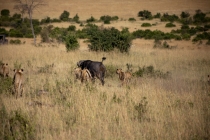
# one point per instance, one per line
(18, 81)
(124, 76)
(78, 73)
(85, 75)
(5, 70)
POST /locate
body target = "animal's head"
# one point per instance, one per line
(80, 63)
(4, 65)
(18, 71)
(118, 71)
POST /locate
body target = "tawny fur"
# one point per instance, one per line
(78, 73)
(5, 70)
(18, 82)
(124, 77)
(86, 75)
(208, 79)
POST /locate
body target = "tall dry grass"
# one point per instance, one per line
(149, 108)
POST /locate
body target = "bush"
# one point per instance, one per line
(146, 25)
(5, 12)
(108, 39)
(71, 28)
(4, 31)
(167, 17)
(131, 19)
(76, 18)
(149, 71)
(199, 17)
(170, 25)
(46, 20)
(71, 42)
(145, 14)
(91, 19)
(64, 16)
(15, 33)
(158, 15)
(16, 41)
(185, 15)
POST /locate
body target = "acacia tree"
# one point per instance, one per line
(29, 6)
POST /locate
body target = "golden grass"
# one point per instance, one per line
(178, 107)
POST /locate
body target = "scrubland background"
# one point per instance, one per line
(56, 106)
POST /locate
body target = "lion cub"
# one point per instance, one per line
(124, 77)
(18, 82)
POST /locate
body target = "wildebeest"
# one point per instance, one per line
(124, 76)
(97, 69)
(4, 70)
(18, 81)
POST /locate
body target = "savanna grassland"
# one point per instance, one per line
(173, 105)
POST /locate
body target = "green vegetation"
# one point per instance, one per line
(145, 14)
(170, 25)
(65, 16)
(21, 28)
(146, 25)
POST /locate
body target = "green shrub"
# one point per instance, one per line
(16, 16)
(131, 19)
(71, 28)
(76, 18)
(15, 41)
(15, 33)
(199, 17)
(4, 31)
(146, 25)
(106, 21)
(185, 15)
(149, 71)
(55, 20)
(45, 20)
(91, 19)
(64, 16)
(145, 14)
(108, 39)
(115, 18)
(103, 18)
(158, 15)
(71, 42)
(5, 12)
(186, 36)
(170, 25)
(171, 18)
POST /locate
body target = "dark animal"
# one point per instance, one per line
(97, 69)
